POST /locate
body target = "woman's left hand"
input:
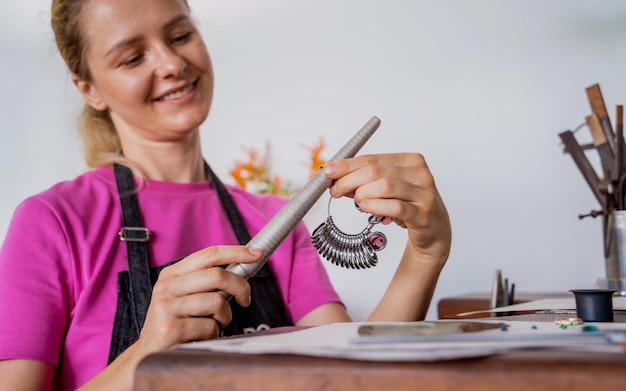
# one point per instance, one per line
(401, 187)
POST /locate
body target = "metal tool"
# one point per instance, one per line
(353, 251)
(426, 328)
(619, 158)
(502, 294)
(283, 222)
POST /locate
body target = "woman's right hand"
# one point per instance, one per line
(186, 306)
(186, 301)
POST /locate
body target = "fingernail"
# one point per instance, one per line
(328, 169)
(333, 190)
(255, 251)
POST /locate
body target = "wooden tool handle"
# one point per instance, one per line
(583, 164)
(594, 94)
(597, 135)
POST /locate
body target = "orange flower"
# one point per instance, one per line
(277, 185)
(254, 174)
(249, 170)
(316, 160)
(237, 174)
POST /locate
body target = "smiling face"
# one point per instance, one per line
(149, 67)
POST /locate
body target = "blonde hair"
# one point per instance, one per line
(101, 143)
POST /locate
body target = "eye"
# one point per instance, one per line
(181, 38)
(132, 60)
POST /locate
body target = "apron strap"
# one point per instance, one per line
(228, 205)
(136, 237)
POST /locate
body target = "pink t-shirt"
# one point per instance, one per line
(62, 253)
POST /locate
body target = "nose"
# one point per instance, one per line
(169, 63)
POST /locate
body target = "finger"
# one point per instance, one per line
(416, 174)
(205, 304)
(391, 209)
(390, 188)
(212, 279)
(343, 167)
(214, 256)
(198, 329)
(410, 206)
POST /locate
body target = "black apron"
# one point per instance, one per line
(134, 287)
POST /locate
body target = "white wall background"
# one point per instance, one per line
(482, 88)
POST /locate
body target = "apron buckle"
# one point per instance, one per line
(134, 234)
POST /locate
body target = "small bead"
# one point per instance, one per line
(589, 328)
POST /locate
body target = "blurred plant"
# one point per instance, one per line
(315, 157)
(255, 175)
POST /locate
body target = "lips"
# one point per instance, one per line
(178, 93)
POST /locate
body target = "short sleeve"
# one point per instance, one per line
(310, 285)
(34, 285)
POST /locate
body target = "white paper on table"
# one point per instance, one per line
(341, 340)
(564, 304)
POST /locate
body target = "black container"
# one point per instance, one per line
(594, 305)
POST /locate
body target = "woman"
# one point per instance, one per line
(74, 314)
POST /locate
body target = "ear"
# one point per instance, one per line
(89, 93)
